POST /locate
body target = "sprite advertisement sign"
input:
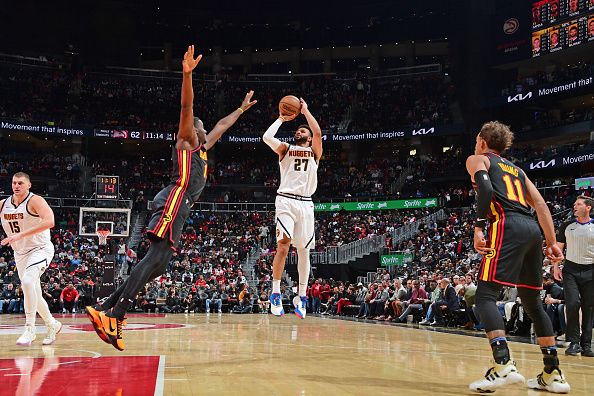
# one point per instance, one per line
(395, 259)
(413, 203)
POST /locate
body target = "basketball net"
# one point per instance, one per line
(103, 234)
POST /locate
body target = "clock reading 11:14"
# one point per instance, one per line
(107, 187)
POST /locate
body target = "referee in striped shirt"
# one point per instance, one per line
(578, 276)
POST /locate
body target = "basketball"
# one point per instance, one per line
(289, 106)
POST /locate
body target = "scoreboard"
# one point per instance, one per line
(107, 187)
(561, 24)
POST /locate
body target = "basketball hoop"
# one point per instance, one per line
(103, 234)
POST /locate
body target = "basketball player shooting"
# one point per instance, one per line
(26, 220)
(298, 164)
(171, 206)
(513, 256)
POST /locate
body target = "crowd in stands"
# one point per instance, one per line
(412, 102)
(436, 288)
(542, 119)
(149, 103)
(429, 299)
(208, 258)
(206, 266)
(141, 178)
(57, 174)
(338, 228)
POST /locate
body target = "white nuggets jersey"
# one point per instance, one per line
(299, 172)
(16, 219)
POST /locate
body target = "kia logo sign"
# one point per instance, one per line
(511, 26)
(519, 97)
(542, 164)
(423, 131)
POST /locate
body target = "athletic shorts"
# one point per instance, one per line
(295, 220)
(39, 257)
(517, 256)
(169, 215)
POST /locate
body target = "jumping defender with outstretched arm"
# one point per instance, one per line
(295, 223)
(171, 206)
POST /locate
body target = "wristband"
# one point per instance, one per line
(240, 109)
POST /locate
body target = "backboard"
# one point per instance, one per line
(117, 221)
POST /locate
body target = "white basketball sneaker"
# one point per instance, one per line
(52, 330)
(27, 337)
(300, 304)
(554, 382)
(496, 377)
(276, 304)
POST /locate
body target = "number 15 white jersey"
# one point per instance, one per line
(17, 219)
(299, 172)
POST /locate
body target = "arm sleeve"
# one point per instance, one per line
(269, 138)
(484, 193)
(561, 232)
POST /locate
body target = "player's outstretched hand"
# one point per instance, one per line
(480, 243)
(304, 108)
(189, 63)
(247, 101)
(554, 254)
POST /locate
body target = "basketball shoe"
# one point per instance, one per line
(276, 304)
(93, 315)
(553, 382)
(52, 329)
(113, 330)
(27, 337)
(300, 304)
(496, 377)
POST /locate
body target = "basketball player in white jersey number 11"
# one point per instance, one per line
(294, 207)
(26, 220)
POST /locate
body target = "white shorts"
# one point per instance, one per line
(295, 219)
(38, 257)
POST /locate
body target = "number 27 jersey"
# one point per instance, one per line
(509, 187)
(298, 172)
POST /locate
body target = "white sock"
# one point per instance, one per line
(303, 268)
(276, 286)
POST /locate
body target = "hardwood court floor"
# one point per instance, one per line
(258, 355)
